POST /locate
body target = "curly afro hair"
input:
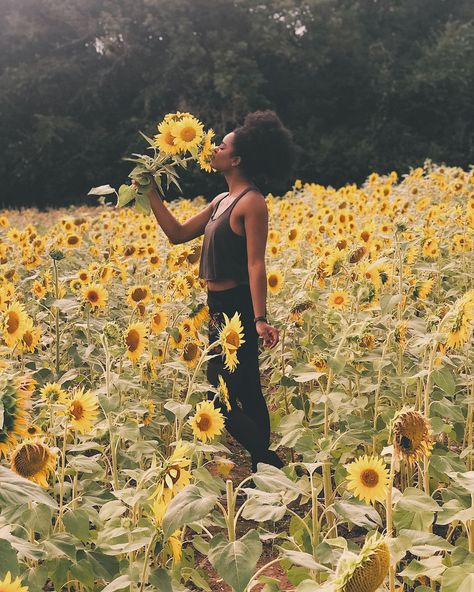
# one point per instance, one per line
(266, 149)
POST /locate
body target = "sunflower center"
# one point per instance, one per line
(338, 299)
(77, 410)
(28, 339)
(204, 422)
(188, 133)
(138, 294)
(92, 296)
(30, 459)
(190, 351)
(272, 281)
(72, 240)
(13, 323)
(369, 478)
(233, 339)
(132, 340)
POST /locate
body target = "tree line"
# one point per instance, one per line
(363, 85)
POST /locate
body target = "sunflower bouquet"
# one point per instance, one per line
(181, 138)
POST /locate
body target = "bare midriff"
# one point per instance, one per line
(222, 284)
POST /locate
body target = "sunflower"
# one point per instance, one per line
(82, 409)
(338, 299)
(461, 321)
(33, 460)
(174, 474)
(174, 541)
(165, 141)
(9, 585)
(411, 435)
(149, 413)
(208, 421)
(188, 133)
(14, 395)
(231, 338)
(31, 337)
(207, 150)
(96, 295)
(158, 321)
(73, 241)
(38, 290)
(191, 352)
(15, 323)
(224, 392)
(199, 315)
(274, 281)
(368, 478)
(52, 392)
(138, 294)
(364, 572)
(135, 339)
(423, 289)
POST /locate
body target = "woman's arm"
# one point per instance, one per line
(170, 226)
(256, 231)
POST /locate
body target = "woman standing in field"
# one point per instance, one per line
(235, 228)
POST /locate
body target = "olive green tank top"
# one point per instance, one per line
(224, 253)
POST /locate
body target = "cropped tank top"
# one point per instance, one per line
(224, 253)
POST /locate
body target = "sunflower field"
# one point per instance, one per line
(116, 471)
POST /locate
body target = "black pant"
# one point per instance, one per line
(250, 423)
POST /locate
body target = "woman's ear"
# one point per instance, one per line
(237, 163)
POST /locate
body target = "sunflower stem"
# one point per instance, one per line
(230, 511)
(56, 315)
(389, 515)
(61, 483)
(314, 518)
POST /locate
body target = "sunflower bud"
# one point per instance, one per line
(56, 254)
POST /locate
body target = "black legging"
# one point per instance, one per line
(250, 424)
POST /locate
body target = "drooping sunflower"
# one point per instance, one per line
(96, 295)
(368, 478)
(188, 133)
(135, 340)
(52, 392)
(82, 409)
(33, 460)
(461, 317)
(31, 337)
(411, 435)
(10, 585)
(230, 339)
(147, 418)
(199, 315)
(423, 289)
(158, 320)
(338, 299)
(174, 541)
(274, 281)
(174, 474)
(364, 572)
(14, 395)
(15, 323)
(224, 393)
(208, 421)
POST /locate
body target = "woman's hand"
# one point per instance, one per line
(152, 190)
(270, 334)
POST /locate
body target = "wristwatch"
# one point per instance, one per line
(260, 319)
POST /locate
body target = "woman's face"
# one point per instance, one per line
(223, 159)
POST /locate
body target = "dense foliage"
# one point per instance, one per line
(373, 85)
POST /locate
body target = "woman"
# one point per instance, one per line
(235, 228)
